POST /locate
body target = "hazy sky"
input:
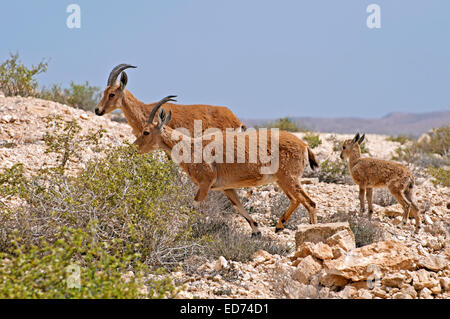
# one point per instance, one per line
(263, 59)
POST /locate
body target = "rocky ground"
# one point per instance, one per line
(324, 261)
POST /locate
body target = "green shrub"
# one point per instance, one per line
(337, 144)
(17, 79)
(363, 147)
(64, 138)
(441, 176)
(285, 124)
(75, 266)
(312, 139)
(333, 172)
(82, 96)
(433, 150)
(402, 139)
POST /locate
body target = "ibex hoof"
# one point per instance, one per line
(256, 235)
(278, 229)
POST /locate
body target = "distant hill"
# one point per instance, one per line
(391, 124)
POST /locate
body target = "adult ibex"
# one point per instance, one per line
(136, 112)
(223, 174)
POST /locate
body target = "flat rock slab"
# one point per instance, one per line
(373, 260)
(318, 232)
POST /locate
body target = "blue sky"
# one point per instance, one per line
(263, 59)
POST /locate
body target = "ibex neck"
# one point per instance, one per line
(354, 156)
(132, 108)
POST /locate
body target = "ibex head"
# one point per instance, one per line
(150, 138)
(114, 92)
(349, 145)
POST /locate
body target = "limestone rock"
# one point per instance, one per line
(260, 257)
(318, 232)
(344, 239)
(393, 280)
(362, 263)
(221, 263)
(424, 279)
(320, 250)
(307, 267)
(434, 262)
(333, 281)
(445, 283)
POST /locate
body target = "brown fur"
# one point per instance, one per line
(137, 112)
(371, 173)
(226, 177)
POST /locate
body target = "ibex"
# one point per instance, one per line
(371, 173)
(225, 175)
(136, 112)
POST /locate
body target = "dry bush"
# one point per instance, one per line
(223, 240)
(382, 197)
(432, 150)
(366, 231)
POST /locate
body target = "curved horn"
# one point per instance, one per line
(116, 71)
(158, 105)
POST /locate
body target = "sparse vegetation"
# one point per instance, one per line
(82, 96)
(402, 139)
(431, 150)
(18, 79)
(223, 240)
(334, 172)
(285, 124)
(64, 139)
(125, 211)
(366, 232)
(383, 197)
(312, 139)
(441, 176)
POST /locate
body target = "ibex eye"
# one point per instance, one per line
(112, 95)
(146, 133)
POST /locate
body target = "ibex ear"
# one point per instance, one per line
(123, 81)
(361, 139)
(169, 117)
(355, 139)
(161, 119)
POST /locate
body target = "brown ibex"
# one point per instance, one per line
(136, 112)
(371, 173)
(226, 175)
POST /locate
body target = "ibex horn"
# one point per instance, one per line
(116, 71)
(158, 105)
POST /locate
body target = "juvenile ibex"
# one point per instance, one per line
(371, 173)
(136, 112)
(226, 175)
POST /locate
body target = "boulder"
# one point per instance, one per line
(372, 261)
(316, 233)
(434, 262)
(260, 257)
(394, 280)
(306, 268)
(344, 239)
(319, 250)
(424, 279)
(333, 281)
(220, 263)
(445, 283)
